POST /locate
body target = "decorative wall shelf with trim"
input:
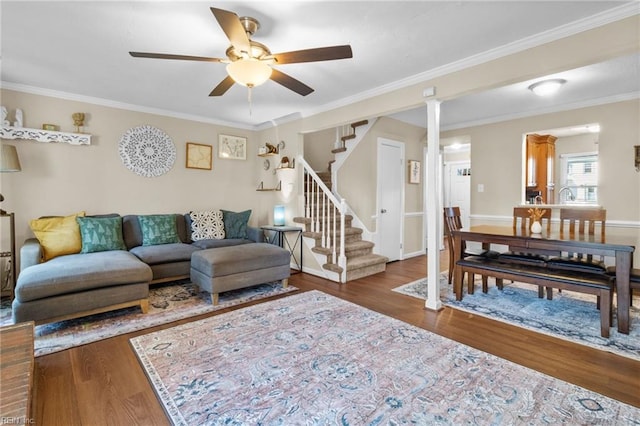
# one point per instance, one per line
(262, 188)
(45, 135)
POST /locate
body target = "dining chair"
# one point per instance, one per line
(453, 222)
(580, 222)
(522, 218)
(522, 221)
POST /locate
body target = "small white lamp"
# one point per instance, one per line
(278, 215)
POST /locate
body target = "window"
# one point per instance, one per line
(579, 178)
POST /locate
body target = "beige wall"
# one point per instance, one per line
(60, 179)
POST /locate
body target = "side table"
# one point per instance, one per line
(11, 254)
(277, 235)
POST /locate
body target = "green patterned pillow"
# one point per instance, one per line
(235, 224)
(158, 229)
(101, 234)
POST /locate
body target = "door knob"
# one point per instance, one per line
(383, 211)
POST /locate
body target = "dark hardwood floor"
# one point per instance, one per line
(103, 384)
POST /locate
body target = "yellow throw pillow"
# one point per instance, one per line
(58, 235)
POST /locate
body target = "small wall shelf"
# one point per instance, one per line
(45, 135)
(262, 188)
(269, 154)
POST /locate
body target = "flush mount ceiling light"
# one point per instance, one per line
(547, 87)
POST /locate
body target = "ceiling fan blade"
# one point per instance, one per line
(232, 27)
(222, 88)
(170, 56)
(290, 82)
(314, 55)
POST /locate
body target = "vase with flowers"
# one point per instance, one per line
(536, 214)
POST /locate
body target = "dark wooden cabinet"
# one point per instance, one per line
(541, 151)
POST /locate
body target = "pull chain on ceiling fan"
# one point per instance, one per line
(249, 62)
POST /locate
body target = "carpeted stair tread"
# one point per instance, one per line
(351, 249)
(361, 266)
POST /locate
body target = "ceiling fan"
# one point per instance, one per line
(249, 62)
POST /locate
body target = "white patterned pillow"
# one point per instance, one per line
(207, 225)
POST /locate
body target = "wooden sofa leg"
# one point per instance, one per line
(144, 305)
(214, 299)
(285, 283)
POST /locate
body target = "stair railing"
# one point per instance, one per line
(326, 213)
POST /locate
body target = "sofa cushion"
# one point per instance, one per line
(228, 242)
(206, 225)
(101, 234)
(158, 229)
(164, 253)
(80, 272)
(235, 224)
(58, 235)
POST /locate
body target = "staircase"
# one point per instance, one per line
(337, 244)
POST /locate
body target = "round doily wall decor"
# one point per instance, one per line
(147, 151)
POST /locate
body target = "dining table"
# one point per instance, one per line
(617, 247)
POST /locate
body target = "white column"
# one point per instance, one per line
(434, 209)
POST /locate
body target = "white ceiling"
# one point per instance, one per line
(79, 50)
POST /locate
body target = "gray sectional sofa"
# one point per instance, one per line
(80, 284)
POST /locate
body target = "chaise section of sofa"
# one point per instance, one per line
(80, 284)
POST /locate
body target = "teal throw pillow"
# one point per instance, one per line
(158, 229)
(101, 234)
(235, 224)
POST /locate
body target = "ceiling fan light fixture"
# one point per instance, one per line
(547, 87)
(249, 72)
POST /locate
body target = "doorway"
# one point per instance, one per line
(390, 208)
(457, 191)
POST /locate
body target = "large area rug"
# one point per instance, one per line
(167, 303)
(314, 359)
(572, 316)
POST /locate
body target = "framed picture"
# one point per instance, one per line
(414, 171)
(199, 156)
(232, 147)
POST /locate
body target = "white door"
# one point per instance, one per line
(458, 189)
(390, 198)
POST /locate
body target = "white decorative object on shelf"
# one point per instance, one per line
(9, 132)
(18, 122)
(5, 122)
(147, 151)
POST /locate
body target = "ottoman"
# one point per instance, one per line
(222, 269)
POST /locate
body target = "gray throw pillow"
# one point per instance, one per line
(235, 224)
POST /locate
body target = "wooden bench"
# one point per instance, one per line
(600, 285)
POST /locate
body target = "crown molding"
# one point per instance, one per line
(591, 22)
(119, 105)
(550, 110)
